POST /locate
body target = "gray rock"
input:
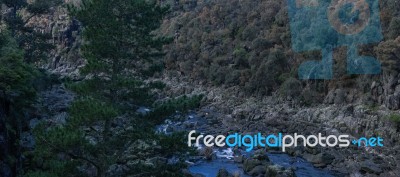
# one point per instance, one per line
(238, 159)
(329, 99)
(287, 173)
(117, 170)
(187, 173)
(271, 172)
(279, 171)
(340, 96)
(258, 170)
(158, 161)
(224, 173)
(27, 140)
(57, 99)
(370, 167)
(249, 164)
(173, 160)
(320, 160)
(33, 123)
(261, 154)
(392, 101)
(60, 119)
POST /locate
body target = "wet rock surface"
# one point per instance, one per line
(337, 116)
(237, 162)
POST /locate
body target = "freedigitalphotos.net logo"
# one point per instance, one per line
(327, 24)
(280, 141)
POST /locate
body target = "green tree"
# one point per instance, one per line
(16, 95)
(18, 43)
(118, 40)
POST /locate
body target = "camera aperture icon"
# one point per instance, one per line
(327, 24)
(349, 16)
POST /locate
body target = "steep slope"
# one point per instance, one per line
(248, 44)
(239, 54)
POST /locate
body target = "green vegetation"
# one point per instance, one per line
(16, 96)
(230, 43)
(291, 88)
(33, 42)
(394, 117)
(222, 42)
(20, 46)
(118, 40)
(171, 106)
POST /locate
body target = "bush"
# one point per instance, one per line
(217, 74)
(291, 88)
(233, 78)
(394, 28)
(249, 33)
(240, 58)
(170, 107)
(394, 117)
(310, 96)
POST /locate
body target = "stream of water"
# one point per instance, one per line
(301, 166)
(224, 158)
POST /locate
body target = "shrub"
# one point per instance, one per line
(310, 96)
(240, 58)
(233, 78)
(170, 107)
(394, 117)
(291, 88)
(249, 33)
(394, 28)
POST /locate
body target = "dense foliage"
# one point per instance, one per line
(233, 43)
(248, 44)
(103, 128)
(16, 95)
(34, 43)
(18, 44)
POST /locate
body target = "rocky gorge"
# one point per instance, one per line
(341, 109)
(271, 115)
(251, 116)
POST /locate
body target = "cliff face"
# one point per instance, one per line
(239, 54)
(65, 59)
(245, 44)
(248, 44)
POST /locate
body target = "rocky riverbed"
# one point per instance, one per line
(236, 162)
(267, 115)
(234, 112)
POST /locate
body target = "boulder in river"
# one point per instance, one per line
(249, 164)
(320, 160)
(224, 173)
(279, 171)
(370, 167)
(258, 170)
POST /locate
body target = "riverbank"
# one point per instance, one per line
(251, 116)
(237, 113)
(212, 162)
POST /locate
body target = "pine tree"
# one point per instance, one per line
(19, 45)
(119, 40)
(16, 95)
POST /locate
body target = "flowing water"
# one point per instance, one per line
(301, 166)
(224, 158)
(210, 169)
